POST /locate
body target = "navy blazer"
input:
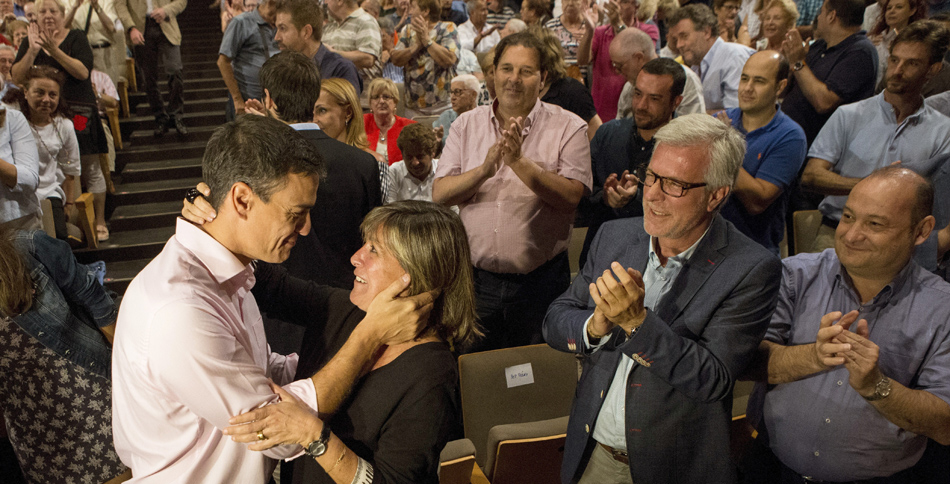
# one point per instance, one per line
(690, 350)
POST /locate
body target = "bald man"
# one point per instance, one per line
(629, 51)
(776, 148)
(857, 355)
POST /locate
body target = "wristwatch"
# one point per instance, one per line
(429, 44)
(319, 447)
(798, 66)
(881, 391)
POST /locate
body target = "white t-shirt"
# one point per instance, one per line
(58, 153)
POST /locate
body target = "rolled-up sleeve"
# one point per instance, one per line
(24, 155)
(209, 370)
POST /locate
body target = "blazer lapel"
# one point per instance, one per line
(696, 272)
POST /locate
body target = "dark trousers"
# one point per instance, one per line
(761, 466)
(511, 307)
(157, 47)
(59, 218)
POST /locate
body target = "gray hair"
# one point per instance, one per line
(702, 17)
(4, 47)
(469, 80)
(725, 145)
(632, 41)
(471, 4)
(260, 152)
(515, 26)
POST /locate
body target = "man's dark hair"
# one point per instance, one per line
(303, 13)
(417, 139)
(260, 152)
(293, 81)
(850, 12)
(701, 16)
(928, 32)
(662, 66)
(941, 16)
(523, 39)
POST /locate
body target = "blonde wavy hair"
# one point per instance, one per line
(345, 95)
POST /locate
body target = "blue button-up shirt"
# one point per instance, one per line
(819, 426)
(243, 43)
(657, 280)
(720, 71)
(18, 148)
(864, 136)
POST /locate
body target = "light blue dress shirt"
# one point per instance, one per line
(657, 280)
(864, 136)
(18, 147)
(720, 71)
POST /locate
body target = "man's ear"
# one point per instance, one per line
(677, 101)
(780, 87)
(307, 31)
(241, 198)
(717, 198)
(923, 229)
(268, 101)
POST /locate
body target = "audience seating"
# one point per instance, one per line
(122, 87)
(578, 234)
(401, 105)
(425, 120)
(113, 115)
(523, 412)
(87, 220)
(805, 225)
(457, 462)
(130, 74)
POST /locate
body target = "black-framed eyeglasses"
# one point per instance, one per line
(458, 92)
(669, 186)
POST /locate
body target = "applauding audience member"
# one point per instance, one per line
(381, 123)
(427, 51)
(476, 34)
(465, 89)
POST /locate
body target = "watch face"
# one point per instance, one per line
(317, 448)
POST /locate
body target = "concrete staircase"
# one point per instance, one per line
(153, 173)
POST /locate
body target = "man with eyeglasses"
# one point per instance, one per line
(668, 311)
(620, 147)
(464, 95)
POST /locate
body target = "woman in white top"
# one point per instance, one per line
(56, 142)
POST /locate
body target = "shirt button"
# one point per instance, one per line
(587, 428)
(496, 231)
(827, 420)
(840, 383)
(601, 394)
(816, 453)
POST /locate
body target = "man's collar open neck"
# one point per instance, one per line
(752, 121)
(904, 105)
(223, 231)
(311, 48)
(345, 12)
(868, 288)
(839, 35)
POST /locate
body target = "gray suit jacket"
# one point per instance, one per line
(689, 351)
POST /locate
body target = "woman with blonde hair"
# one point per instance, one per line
(338, 113)
(382, 124)
(777, 19)
(403, 412)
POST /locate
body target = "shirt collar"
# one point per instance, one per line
(257, 17)
(528, 122)
(678, 259)
(772, 124)
(889, 110)
(711, 54)
(220, 262)
(888, 292)
(305, 126)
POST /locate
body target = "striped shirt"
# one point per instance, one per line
(357, 32)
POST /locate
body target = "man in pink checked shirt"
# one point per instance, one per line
(191, 351)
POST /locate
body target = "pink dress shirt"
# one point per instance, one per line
(190, 352)
(510, 229)
(606, 84)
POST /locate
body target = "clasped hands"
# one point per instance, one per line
(619, 299)
(837, 345)
(506, 150)
(618, 191)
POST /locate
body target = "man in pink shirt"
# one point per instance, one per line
(606, 80)
(517, 170)
(191, 351)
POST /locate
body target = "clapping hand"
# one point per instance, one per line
(618, 191)
(621, 298)
(512, 140)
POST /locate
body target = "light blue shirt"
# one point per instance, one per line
(657, 280)
(18, 148)
(720, 71)
(243, 44)
(864, 136)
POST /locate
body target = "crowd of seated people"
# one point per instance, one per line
(403, 179)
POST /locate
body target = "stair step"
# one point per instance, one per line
(145, 215)
(129, 245)
(191, 106)
(153, 191)
(145, 152)
(138, 98)
(146, 137)
(213, 117)
(120, 273)
(167, 169)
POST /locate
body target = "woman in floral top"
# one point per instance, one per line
(569, 28)
(427, 53)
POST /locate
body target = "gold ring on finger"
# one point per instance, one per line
(260, 435)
